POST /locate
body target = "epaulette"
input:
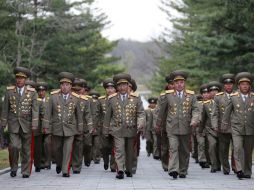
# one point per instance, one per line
(31, 89)
(134, 94)
(207, 101)
(10, 87)
(89, 97)
(102, 97)
(234, 94)
(55, 91)
(252, 93)
(200, 102)
(112, 95)
(169, 91)
(39, 99)
(83, 97)
(162, 94)
(74, 94)
(220, 93)
(189, 92)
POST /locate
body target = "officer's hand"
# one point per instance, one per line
(194, 125)
(140, 128)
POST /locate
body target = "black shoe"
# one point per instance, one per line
(58, 169)
(48, 167)
(247, 176)
(105, 166)
(66, 175)
(156, 157)
(204, 165)
(128, 174)
(120, 175)
(25, 176)
(213, 170)
(218, 169)
(37, 169)
(226, 173)
(165, 169)
(148, 154)
(97, 162)
(113, 170)
(207, 165)
(76, 172)
(173, 174)
(182, 176)
(13, 174)
(240, 175)
(87, 163)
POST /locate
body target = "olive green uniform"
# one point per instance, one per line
(20, 113)
(181, 114)
(64, 119)
(121, 120)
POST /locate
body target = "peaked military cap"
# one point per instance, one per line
(122, 78)
(66, 77)
(152, 100)
(227, 78)
(94, 94)
(203, 88)
(42, 86)
(244, 77)
(31, 83)
(22, 72)
(179, 75)
(133, 85)
(169, 79)
(214, 85)
(108, 82)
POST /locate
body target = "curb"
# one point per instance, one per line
(7, 170)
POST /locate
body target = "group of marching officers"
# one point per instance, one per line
(211, 124)
(76, 124)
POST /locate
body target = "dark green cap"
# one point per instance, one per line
(244, 77)
(66, 77)
(179, 75)
(133, 85)
(41, 86)
(227, 78)
(22, 72)
(94, 94)
(214, 85)
(203, 88)
(108, 82)
(122, 78)
(152, 100)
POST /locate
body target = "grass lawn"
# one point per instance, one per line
(4, 159)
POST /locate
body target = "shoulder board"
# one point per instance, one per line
(54, 92)
(83, 97)
(169, 91)
(74, 94)
(189, 92)
(134, 94)
(89, 97)
(220, 93)
(234, 94)
(30, 89)
(39, 99)
(162, 94)
(200, 102)
(10, 87)
(112, 95)
(207, 101)
(252, 93)
(102, 97)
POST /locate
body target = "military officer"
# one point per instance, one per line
(224, 134)
(77, 153)
(20, 113)
(163, 142)
(180, 106)
(239, 114)
(149, 129)
(97, 130)
(124, 117)
(206, 123)
(42, 139)
(64, 118)
(107, 141)
(203, 155)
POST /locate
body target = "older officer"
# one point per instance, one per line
(124, 117)
(180, 106)
(65, 119)
(239, 113)
(20, 112)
